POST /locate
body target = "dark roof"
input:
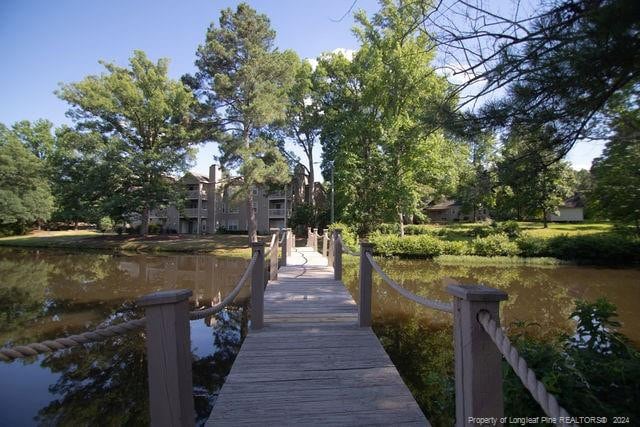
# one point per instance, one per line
(198, 176)
(443, 205)
(575, 201)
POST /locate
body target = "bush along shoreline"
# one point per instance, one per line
(505, 243)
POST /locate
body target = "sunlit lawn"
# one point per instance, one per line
(459, 231)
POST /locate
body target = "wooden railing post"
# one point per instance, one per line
(325, 241)
(337, 255)
(478, 369)
(308, 237)
(292, 241)
(169, 357)
(285, 247)
(257, 286)
(364, 309)
(330, 251)
(273, 272)
(314, 239)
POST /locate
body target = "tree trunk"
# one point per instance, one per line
(544, 218)
(144, 224)
(251, 219)
(312, 180)
(401, 222)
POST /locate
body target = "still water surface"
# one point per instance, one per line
(47, 294)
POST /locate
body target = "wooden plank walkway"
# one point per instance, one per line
(312, 364)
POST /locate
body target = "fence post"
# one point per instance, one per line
(478, 368)
(292, 241)
(169, 357)
(364, 309)
(315, 239)
(325, 241)
(337, 255)
(285, 247)
(330, 251)
(257, 286)
(308, 237)
(273, 272)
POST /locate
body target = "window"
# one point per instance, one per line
(232, 224)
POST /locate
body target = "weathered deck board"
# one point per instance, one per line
(311, 364)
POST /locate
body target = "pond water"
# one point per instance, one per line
(47, 294)
(420, 340)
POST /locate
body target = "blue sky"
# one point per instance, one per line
(44, 43)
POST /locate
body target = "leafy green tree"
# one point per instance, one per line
(561, 61)
(36, 136)
(375, 109)
(144, 117)
(304, 117)
(25, 195)
(616, 173)
(243, 83)
(532, 183)
(478, 180)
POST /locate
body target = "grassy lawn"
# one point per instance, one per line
(534, 228)
(219, 244)
(555, 229)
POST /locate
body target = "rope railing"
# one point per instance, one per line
(9, 354)
(271, 245)
(201, 314)
(436, 305)
(546, 400)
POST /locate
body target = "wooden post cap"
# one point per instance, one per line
(172, 296)
(257, 245)
(366, 246)
(477, 293)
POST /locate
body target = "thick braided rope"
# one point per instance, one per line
(436, 305)
(546, 400)
(345, 248)
(9, 354)
(201, 314)
(271, 246)
(282, 238)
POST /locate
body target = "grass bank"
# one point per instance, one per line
(219, 244)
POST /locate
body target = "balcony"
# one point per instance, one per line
(193, 194)
(278, 213)
(193, 213)
(276, 195)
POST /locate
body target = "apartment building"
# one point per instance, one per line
(211, 205)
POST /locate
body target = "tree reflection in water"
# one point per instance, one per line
(48, 294)
(106, 383)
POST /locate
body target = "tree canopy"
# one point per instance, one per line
(144, 119)
(243, 83)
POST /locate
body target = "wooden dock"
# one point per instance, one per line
(312, 364)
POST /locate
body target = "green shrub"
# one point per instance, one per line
(422, 246)
(510, 228)
(494, 245)
(418, 229)
(530, 246)
(456, 248)
(155, 229)
(388, 228)
(105, 224)
(349, 236)
(594, 372)
(605, 248)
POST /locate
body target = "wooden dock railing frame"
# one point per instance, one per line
(478, 363)
(337, 254)
(169, 342)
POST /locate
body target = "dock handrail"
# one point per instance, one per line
(479, 341)
(436, 305)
